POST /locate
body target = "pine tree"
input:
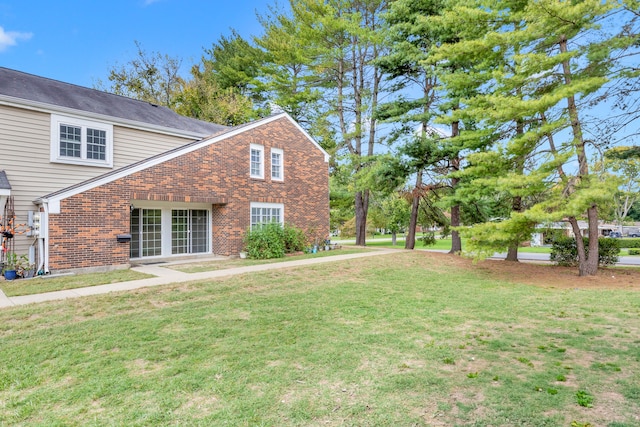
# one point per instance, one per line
(554, 55)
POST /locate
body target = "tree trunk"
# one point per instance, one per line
(582, 255)
(410, 240)
(362, 202)
(512, 252)
(456, 243)
(393, 238)
(588, 263)
(516, 202)
(590, 267)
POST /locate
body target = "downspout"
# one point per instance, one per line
(40, 256)
(44, 238)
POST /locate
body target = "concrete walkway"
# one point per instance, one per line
(166, 276)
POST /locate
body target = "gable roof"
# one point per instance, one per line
(54, 198)
(16, 86)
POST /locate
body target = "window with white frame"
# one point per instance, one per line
(277, 164)
(81, 142)
(257, 161)
(266, 213)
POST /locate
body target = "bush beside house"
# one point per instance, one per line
(274, 241)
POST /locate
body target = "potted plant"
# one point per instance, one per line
(12, 265)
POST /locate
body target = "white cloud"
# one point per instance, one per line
(11, 38)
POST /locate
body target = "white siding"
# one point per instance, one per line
(133, 145)
(25, 156)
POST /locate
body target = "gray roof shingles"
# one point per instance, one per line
(53, 92)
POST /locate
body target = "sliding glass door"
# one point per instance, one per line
(146, 233)
(189, 231)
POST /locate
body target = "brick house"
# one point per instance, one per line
(106, 180)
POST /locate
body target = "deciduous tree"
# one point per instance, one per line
(151, 77)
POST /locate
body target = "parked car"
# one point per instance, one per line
(615, 235)
(634, 234)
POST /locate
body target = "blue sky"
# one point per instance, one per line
(77, 41)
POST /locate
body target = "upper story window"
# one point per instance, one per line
(277, 164)
(257, 161)
(81, 142)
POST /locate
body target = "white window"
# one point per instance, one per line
(257, 161)
(81, 142)
(266, 213)
(277, 164)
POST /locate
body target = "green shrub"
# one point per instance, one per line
(634, 251)
(273, 241)
(608, 251)
(630, 243)
(295, 239)
(265, 242)
(565, 253)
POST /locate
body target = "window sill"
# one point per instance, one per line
(81, 162)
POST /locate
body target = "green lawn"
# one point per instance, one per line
(197, 267)
(49, 284)
(407, 339)
(37, 285)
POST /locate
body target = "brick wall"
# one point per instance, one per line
(83, 235)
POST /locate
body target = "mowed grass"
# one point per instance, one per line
(73, 281)
(407, 339)
(224, 264)
(36, 285)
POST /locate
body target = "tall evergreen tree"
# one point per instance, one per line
(414, 86)
(346, 40)
(557, 55)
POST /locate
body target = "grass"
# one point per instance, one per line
(50, 284)
(223, 264)
(401, 339)
(38, 285)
